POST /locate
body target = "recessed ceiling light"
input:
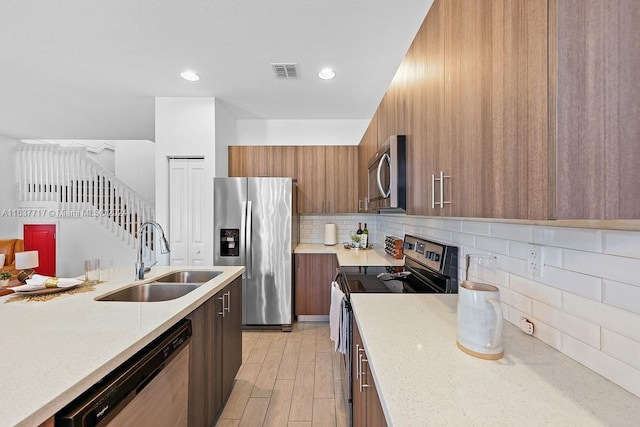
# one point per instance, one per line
(327, 74)
(190, 76)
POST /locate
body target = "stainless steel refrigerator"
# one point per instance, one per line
(256, 225)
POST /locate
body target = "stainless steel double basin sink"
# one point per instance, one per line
(164, 288)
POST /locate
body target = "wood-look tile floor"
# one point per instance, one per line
(287, 379)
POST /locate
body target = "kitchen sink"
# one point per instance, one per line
(189, 276)
(164, 288)
(150, 292)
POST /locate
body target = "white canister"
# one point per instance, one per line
(480, 320)
(330, 234)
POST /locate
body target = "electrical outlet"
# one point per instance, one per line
(526, 326)
(534, 260)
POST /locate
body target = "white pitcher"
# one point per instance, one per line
(480, 320)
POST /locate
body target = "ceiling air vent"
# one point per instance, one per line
(285, 71)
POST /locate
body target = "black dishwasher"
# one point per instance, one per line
(103, 401)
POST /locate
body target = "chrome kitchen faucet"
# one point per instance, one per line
(164, 247)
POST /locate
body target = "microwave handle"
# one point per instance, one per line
(387, 193)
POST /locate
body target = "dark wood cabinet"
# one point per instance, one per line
(367, 409)
(314, 274)
(215, 353)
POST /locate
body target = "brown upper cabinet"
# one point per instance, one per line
(367, 148)
(527, 109)
(327, 175)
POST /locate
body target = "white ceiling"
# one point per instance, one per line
(90, 69)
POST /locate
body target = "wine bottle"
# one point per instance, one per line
(364, 238)
(359, 231)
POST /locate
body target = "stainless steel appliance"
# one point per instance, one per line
(151, 388)
(256, 225)
(388, 177)
(430, 267)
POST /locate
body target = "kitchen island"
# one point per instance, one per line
(54, 350)
(422, 378)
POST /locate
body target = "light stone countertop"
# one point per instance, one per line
(52, 351)
(424, 379)
(352, 258)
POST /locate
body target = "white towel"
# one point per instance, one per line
(38, 282)
(335, 311)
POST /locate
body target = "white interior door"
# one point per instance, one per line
(186, 195)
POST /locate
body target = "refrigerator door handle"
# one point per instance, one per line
(243, 232)
(248, 234)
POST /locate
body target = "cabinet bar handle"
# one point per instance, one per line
(228, 308)
(222, 298)
(363, 385)
(433, 191)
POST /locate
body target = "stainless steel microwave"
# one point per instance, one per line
(388, 177)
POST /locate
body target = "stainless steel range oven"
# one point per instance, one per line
(429, 267)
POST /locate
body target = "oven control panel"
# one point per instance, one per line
(426, 252)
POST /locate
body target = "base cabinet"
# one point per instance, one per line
(314, 273)
(216, 353)
(367, 410)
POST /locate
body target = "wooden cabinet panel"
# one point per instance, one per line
(595, 129)
(262, 160)
(314, 274)
(367, 148)
(327, 175)
(311, 179)
(367, 409)
(215, 353)
(341, 178)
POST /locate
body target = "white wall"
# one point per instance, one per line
(135, 165)
(225, 136)
(300, 132)
(586, 305)
(184, 127)
(10, 226)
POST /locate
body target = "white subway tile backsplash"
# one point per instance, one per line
(513, 299)
(463, 239)
(518, 249)
(522, 233)
(621, 347)
(552, 256)
(580, 329)
(490, 244)
(452, 225)
(512, 265)
(622, 295)
(536, 291)
(575, 238)
(570, 281)
(475, 227)
(622, 243)
(546, 333)
(588, 297)
(604, 364)
(621, 321)
(611, 267)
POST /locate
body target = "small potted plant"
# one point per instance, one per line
(4, 278)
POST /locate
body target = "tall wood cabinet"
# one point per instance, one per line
(262, 160)
(367, 148)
